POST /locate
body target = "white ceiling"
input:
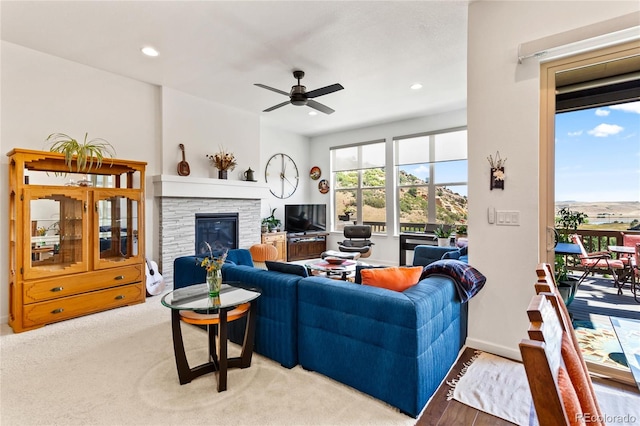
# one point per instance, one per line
(217, 50)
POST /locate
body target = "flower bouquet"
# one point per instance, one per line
(223, 161)
(213, 266)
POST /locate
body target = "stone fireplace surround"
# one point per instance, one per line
(180, 198)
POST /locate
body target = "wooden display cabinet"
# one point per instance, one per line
(279, 240)
(76, 242)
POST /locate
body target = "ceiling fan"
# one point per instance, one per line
(299, 95)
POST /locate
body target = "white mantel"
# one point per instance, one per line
(193, 187)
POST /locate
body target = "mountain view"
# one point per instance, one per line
(451, 207)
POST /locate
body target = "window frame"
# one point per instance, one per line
(432, 185)
(360, 188)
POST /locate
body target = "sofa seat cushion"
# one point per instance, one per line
(394, 278)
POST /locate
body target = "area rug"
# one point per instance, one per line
(117, 368)
(499, 386)
(496, 386)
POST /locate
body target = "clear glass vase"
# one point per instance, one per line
(214, 282)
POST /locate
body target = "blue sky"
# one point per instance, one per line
(598, 154)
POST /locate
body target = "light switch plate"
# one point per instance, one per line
(507, 218)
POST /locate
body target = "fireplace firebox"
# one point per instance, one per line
(220, 230)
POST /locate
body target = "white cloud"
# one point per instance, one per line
(603, 130)
(573, 134)
(630, 107)
(602, 112)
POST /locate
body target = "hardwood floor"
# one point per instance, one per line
(441, 412)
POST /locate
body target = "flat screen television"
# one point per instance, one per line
(305, 218)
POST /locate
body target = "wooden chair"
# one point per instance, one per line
(546, 286)
(560, 387)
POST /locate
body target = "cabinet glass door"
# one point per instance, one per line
(117, 227)
(57, 232)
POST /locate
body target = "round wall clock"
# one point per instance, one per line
(281, 175)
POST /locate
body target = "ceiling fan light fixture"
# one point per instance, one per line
(150, 51)
(416, 86)
(313, 113)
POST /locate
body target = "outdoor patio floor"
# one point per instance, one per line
(597, 296)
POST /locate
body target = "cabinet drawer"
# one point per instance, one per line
(272, 239)
(73, 306)
(54, 288)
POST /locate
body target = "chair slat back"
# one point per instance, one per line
(542, 360)
(555, 298)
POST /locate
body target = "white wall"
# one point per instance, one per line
(503, 114)
(386, 249)
(274, 141)
(206, 127)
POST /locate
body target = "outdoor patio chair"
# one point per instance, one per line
(635, 266)
(600, 262)
(629, 240)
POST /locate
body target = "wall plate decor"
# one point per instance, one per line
(323, 186)
(315, 173)
(281, 175)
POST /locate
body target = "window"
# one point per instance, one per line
(431, 179)
(359, 185)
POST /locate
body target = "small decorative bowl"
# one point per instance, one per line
(334, 260)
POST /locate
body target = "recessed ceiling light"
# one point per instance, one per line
(313, 113)
(150, 51)
(416, 86)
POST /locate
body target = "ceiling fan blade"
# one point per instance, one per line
(319, 107)
(324, 90)
(277, 106)
(282, 92)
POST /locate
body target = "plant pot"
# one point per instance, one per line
(222, 174)
(567, 289)
(444, 242)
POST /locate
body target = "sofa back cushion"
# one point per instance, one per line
(394, 278)
(424, 255)
(287, 268)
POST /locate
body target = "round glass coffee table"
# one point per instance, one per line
(341, 270)
(193, 305)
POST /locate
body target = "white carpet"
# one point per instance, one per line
(117, 368)
(499, 386)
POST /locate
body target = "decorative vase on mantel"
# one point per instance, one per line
(214, 282)
(222, 174)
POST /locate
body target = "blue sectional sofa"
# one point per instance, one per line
(423, 255)
(394, 346)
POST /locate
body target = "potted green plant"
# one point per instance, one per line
(443, 234)
(88, 153)
(461, 231)
(271, 221)
(347, 212)
(569, 221)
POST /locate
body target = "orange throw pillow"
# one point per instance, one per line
(394, 278)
